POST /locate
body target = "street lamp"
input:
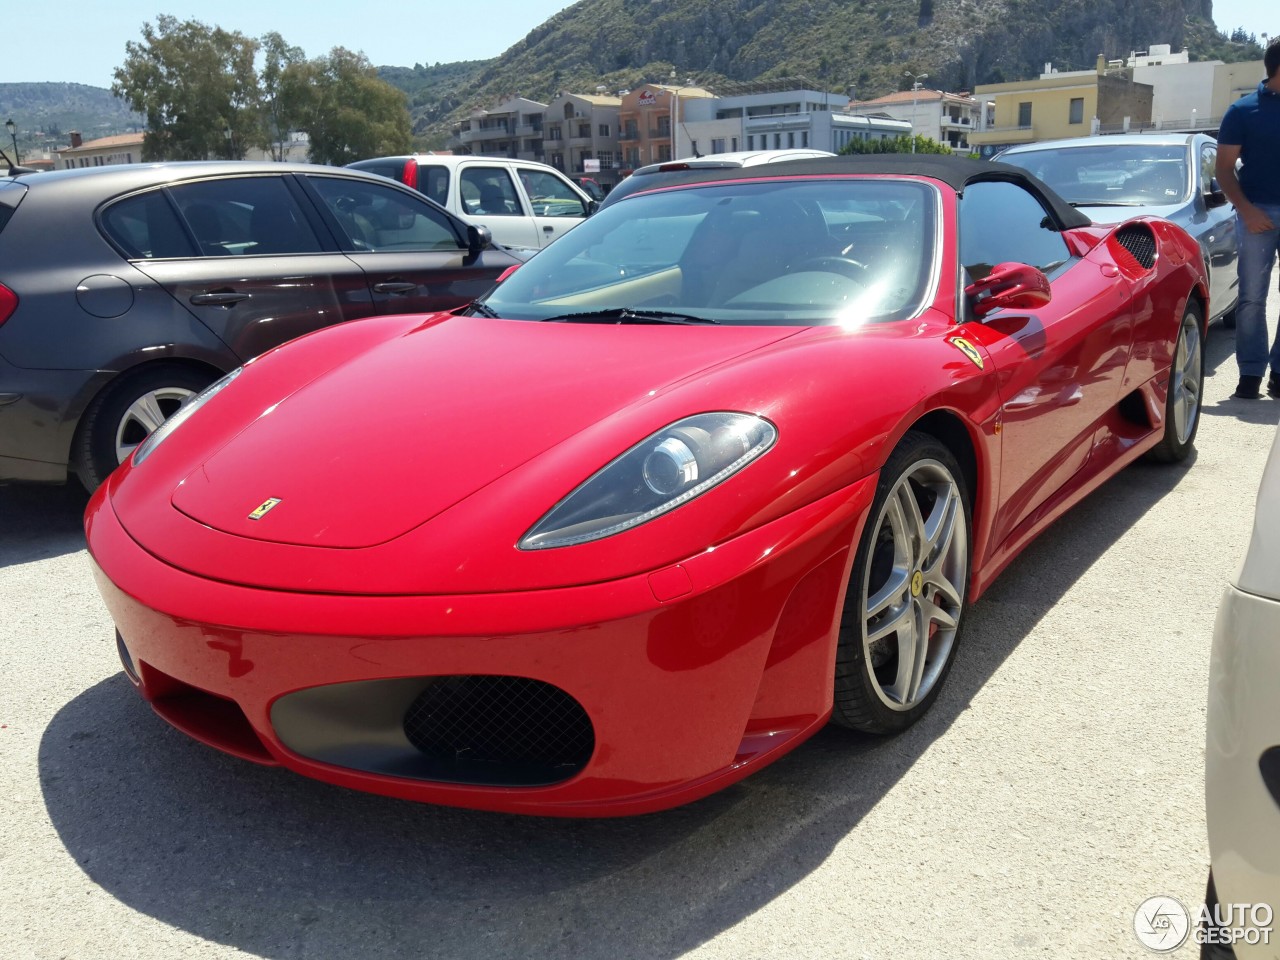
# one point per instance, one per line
(675, 110)
(13, 134)
(915, 95)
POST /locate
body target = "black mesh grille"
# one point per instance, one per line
(1139, 242)
(531, 731)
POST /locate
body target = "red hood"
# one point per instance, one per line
(401, 432)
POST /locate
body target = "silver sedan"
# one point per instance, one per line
(1114, 177)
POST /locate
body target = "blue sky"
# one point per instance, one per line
(84, 40)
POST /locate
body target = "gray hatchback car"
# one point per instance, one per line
(1113, 177)
(125, 290)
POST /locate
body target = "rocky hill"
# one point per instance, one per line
(864, 46)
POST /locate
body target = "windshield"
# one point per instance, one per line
(790, 252)
(1123, 174)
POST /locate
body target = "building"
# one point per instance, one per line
(1058, 105)
(646, 116)
(580, 136)
(948, 118)
(105, 151)
(512, 129)
(774, 115)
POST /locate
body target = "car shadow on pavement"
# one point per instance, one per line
(39, 521)
(280, 866)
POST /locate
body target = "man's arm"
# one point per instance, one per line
(1254, 220)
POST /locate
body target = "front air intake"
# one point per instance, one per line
(529, 731)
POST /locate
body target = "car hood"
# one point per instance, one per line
(404, 430)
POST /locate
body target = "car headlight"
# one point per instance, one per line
(655, 476)
(157, 435)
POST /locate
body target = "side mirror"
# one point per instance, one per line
(478, 237)
(1214, 197)
(1016, 286)
(592, 206)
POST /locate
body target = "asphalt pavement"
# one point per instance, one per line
(1056, 784)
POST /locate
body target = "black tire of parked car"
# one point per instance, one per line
(1174, 448)
(94, 453)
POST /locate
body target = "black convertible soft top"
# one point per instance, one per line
(955, 172)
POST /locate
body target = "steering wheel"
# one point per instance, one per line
(854, 269)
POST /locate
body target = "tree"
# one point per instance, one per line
(346, 110)
(197, 88)
(898, 144)
(279, 112)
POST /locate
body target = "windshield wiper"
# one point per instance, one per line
(628, 315)
(475, 306)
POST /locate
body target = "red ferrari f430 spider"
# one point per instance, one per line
(725, 463)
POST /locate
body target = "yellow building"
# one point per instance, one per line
(1059, 105)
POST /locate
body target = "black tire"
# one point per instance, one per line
(1229, 319)
(921, 470)
(1214, 951)
(1186, 389)
(112, 421)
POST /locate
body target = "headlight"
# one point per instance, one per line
(187, 409)
(658, 474)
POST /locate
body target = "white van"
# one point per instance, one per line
(524, 204)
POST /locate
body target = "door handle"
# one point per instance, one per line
(548, 229)
(221, 298)
(399, 286)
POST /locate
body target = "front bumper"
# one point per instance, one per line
(1242, 775)
(693, 676)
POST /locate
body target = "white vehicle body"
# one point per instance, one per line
(1242, 755)
(524, 204)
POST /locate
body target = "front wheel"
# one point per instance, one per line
(125, 412)
(907, 591)
(1186, 385)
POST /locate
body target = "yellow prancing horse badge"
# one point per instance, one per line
(265, 507)
(917, 583)
(968, 349)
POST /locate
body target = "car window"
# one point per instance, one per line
(244, 216)
(551, 196)
(146, 227)
(489, 191)
(1004, 223)
(1137, 174)
(374, 217)
(433, 181)
(1208, 163)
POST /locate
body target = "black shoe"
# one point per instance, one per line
(1249, 388)
(1273, 386)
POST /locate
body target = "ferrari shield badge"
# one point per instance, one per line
(265, 507)
(968, 349)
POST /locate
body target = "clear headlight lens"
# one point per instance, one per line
(655, 476)
(186, 410)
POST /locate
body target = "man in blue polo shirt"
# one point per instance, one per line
(1250, 132)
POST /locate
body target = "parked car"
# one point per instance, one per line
(126, 290)
(1117, 176)
(524, 204)
(1242, 754)
(729, 460)
(641, 178)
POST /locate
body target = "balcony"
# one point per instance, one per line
(529, 130)
(956, 122)
(628, 135)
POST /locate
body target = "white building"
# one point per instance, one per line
(774, 115)
(947, 118)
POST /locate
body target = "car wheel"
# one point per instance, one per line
(906, 595)
(1186, 385)
(123, 414)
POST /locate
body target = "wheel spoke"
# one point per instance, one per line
(942, 585)
(895, 589)
(902, 622)
(146, 411)
(911, 648)
(940, 528)
(912, 522)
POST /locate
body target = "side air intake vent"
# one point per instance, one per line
(1140, 243)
